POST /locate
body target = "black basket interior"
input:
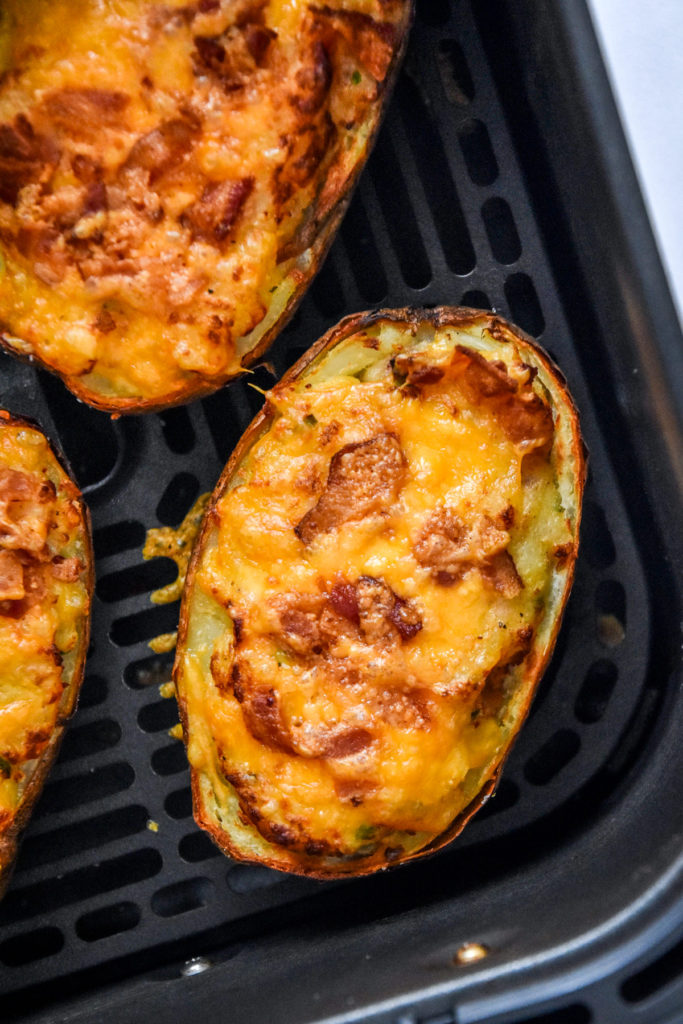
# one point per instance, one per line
(113, 877)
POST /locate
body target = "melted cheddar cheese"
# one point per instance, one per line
(44, 604)
(373, 575)
(166, 171)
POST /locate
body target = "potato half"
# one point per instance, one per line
(376, 590)
(171, 176)
(46, 580)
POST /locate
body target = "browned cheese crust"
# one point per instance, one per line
(171, 175)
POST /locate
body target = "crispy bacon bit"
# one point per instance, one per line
(212, 217)
(104, 322)
(346, 743)
(369, 40)
(95, 198)
(258, 39)
(364, 479)
(450, 549)
(313, 81)
(85, 168)
(233, 56)
(405, 709)
(25, 157)
(354, 791)
(416, 372)
(66, 569)
(501, 572)
(345, 602)
(84, 112)
(11, 577)
(164, 148)
(522, 414)
(264, 718)
(24, 511)
(382, 613)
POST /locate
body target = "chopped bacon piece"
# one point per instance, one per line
(265, 720)
(66, 569)
(522, 413)
(382, 613)
(11, 577)
(25, 157)
(162, 149)
(501, 572)
(212, 217)
(345, 602)
(313, 81)
(450, 549)
(405, 709)
(370, 41)
(364, 479)
(84, 112)
(233, 56)
(24, 510)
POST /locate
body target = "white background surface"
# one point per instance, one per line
(642, 43)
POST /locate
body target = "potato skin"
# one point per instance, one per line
(323, 199)
(38, 769)
(573, 471)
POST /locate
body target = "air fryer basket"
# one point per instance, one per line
(500, 180)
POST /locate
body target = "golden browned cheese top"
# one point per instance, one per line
(386, 553)
(164, 167)
(43, 601)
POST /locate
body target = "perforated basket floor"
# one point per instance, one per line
(113, 873)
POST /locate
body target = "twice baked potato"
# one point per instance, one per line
(376, 590)
(45, 592)
(171, 175)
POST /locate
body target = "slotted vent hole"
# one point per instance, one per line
(477, 150)
(34, 945)
(595, 692)
(93, 738)
(656, 976)
(399, 215)
(98, 784)
(190, 894)
(177, 429)
(151, 671)
(457, 81)
(476, 300)
(123, 536)
(555, 754)
(327, 292)
(136, 579)
(178, 804)
(366, 262)
(89, 439)
(598, 546)
(162, 714)
(177, 499)
(74, 886)
(501, 231)
(196, 847)
(93, 691)
(83, 835)
(432, 165)
(169, 760)
(145, 625)
(244, 878)
(525, 308)
(610, 601)
(107, 921)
